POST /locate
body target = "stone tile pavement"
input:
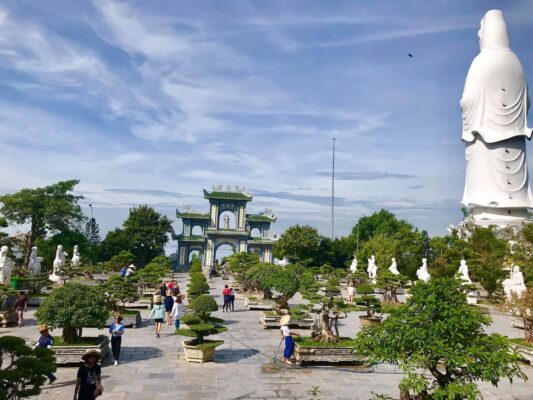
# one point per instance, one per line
(154, 368)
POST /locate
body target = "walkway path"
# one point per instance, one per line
(154, 368)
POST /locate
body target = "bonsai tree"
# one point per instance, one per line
(22, 369)
(73, 307)
(390, 283)
(441, 345)
(286, 281)
(197, 288)
(5, 293)
(240, 263)
(122, 259)
(368, 299)
(522, 307)
(120, 291)
(200, 322)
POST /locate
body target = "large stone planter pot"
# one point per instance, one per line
(70, 355)
(129, 321)
(369, 321)
(197, 355)
(270, 320)
(322, 355)
(525, 352)
(7, 317)
(19, 283)
(258, 304)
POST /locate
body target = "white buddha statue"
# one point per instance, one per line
(463, 274)
(515, 284)
(35, 262)
(353, 265)
(422, 272)
(75, 261)
(494, 107)
(6, 266)
(59, 261)
(372, 269)
(394, 267)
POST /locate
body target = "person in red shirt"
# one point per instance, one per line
(227, 296)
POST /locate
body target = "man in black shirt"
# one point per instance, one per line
(163, 289)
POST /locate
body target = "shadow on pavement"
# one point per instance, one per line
(227, 356)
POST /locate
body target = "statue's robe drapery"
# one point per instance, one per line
(495, 105)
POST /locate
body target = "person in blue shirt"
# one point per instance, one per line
(116, 329)
(46, 340)
(123, 271)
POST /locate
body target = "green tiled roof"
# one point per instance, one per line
(260, 241)
(227, 196)
(192, 215)
(259, 218)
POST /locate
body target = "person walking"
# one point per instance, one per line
(163, 289)
(286, 335)
(177, 310)
(168, 303)
(116, 329)
(231, 298)
(46, 341)
(21, 305)
(226, 294)
(158, 312)
(89, 378)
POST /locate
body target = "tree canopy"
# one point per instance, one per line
(52, 208)
(301, 245)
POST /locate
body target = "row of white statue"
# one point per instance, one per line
(34, 265)
(514, 285)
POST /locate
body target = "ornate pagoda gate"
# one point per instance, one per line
(215, 233)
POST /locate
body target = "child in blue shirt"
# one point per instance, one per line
(116, 329)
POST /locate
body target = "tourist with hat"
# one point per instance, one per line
(89, 378)
(46, 341)
(116, 329)
(287, 335)
(158, 312)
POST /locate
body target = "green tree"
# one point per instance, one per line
(441, 345)
(122, 259)
(53, 208)
(382, 222)
(92, 234)
(488, 254)
(445, 255)
(144, 233)
(73, 307)
(22, 369)
(119, 291)
(300, 245)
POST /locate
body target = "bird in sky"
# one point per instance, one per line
(410, 55)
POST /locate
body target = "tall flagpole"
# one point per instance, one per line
(333, 194)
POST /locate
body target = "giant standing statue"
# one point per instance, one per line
(494, 106)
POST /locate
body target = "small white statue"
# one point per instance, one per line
(75, 261)
(394, 268)
(226, 222)
(372, 269)
(6, 266)
(515, 284)
(59, 261)
(463, 274)
(422, 272)
(35, 262)
(282, 263)
(353, 265)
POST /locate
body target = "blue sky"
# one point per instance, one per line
(150, 102)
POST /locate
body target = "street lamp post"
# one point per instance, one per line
(91, 227)
(333, 194)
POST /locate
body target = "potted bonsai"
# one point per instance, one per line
(368, 300)
(8, 314)
(201, 324)
(119, 291)
(73, 307)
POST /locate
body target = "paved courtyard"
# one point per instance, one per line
(154, 368)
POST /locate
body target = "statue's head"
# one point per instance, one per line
(59, 247)
(424, 261)
(516, 268)
(493, 31)
(393, 259)
(463, 263)
(75, 247)
(34, 249)
(4, 250)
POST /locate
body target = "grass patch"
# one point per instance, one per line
(83, 341)
(308, 341)
(252, 298)
(522, 342)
